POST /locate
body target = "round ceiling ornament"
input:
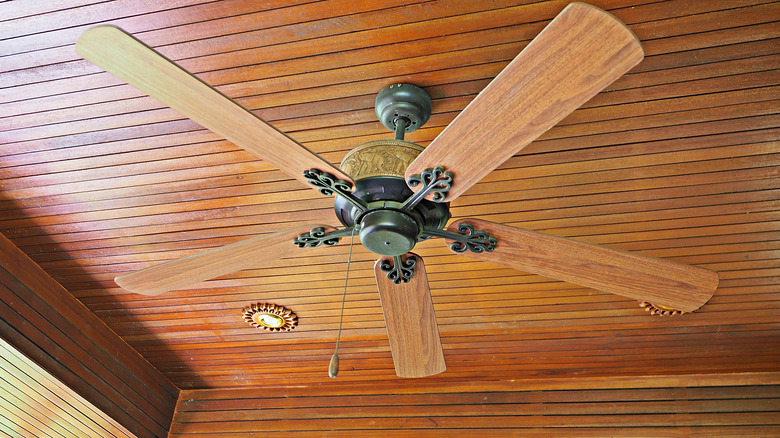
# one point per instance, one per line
(270, 317)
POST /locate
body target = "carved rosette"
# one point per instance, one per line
(380, 158)
(270, 317)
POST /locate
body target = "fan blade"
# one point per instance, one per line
(660, 282)
(176, 274)
(411, 322)
(127, 58)
(578, 54)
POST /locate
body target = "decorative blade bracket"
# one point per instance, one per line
(436, 181)
(467, 238)
(399, 269)
(318, 236)
(328, 184)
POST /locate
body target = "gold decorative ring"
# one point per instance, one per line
(270, 317)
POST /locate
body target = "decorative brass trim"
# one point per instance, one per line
(253, 315)
(380, 158)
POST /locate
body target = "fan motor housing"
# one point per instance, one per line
(378, 169)
(384, 221)
(388, 232)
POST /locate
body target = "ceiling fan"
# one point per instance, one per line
(394, 193)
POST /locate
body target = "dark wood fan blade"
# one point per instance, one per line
(411, 322)
(660, 282)
(179, 273)
(578, 54)
(120, 54)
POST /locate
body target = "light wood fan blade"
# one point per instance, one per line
(578, 54)
(660, 282)
(411, 322)
(244, 254)
(127, 58)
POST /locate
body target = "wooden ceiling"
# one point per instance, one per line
(39, 404)
(678, 159)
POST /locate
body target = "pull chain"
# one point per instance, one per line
(333, 368)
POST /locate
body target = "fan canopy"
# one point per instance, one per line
(378, 168)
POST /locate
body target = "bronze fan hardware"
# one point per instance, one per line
(394, 206)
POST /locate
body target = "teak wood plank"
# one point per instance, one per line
(352, 31)
(668, 284)
(27, 273)
(658, 171)
(82, 359)
(466, 422)
(136, 63)
(213, 263)
(528, 12)
(41, 351)
(531, 166)
(411, 323)
(536, 196)
(538, 221)
(52, 395)
(516, 166)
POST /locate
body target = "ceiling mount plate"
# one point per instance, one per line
(403, 101)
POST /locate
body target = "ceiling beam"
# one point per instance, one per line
(43, 321)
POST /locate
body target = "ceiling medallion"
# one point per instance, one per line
(270, 317)
(659, 310)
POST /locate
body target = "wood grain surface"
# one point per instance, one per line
(578, 54)
(411, 322)
(183, 272)
(660, 282)
(544, 406)
(679, 159)
(132, 61)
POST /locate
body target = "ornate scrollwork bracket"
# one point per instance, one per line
(328, 184)
(467, 238)
(399, 269)
(318, 236)
(436, 181)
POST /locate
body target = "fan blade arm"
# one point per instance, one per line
(581, 52)
(658, 281)
(186, 271)
(129, 59)
(411, 321)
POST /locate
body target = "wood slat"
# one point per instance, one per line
(678, 159)
(510, 410)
